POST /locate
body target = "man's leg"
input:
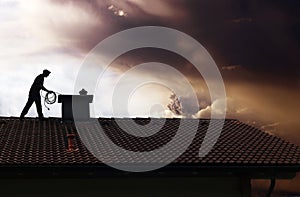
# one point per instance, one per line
(27, 107)
(39, 107)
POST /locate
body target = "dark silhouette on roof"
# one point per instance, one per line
(46, 145)
(34, 95)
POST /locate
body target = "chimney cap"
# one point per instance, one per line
(83, 92)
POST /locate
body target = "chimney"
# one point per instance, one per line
(76, 104)
(71, 146)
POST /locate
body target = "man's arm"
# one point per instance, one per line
(45, 89)
(40, 82)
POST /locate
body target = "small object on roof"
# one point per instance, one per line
(71, 146)
(83, 92)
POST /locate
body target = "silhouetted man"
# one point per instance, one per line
(34, 95)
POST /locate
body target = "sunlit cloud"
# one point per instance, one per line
(175, 105)
(117, 11)
(270, 128)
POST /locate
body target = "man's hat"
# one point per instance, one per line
(47, 72)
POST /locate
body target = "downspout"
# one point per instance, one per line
(271, 188)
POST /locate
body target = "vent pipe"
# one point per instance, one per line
(71, 144)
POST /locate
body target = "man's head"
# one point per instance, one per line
(46, 73)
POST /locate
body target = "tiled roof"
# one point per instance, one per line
(44, 143)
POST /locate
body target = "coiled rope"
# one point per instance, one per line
(49, 99)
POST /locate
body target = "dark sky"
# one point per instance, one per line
(263, 36)
(260, 35)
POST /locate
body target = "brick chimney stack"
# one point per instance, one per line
(77, 105)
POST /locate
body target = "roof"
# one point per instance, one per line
(33, 144)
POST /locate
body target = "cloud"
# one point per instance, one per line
(169, 114)
(203, 113)
(234, 109)
(175, 105)
(59, 25)
(270, 128)
(117, 11)
(100, 19)
(8, 3)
